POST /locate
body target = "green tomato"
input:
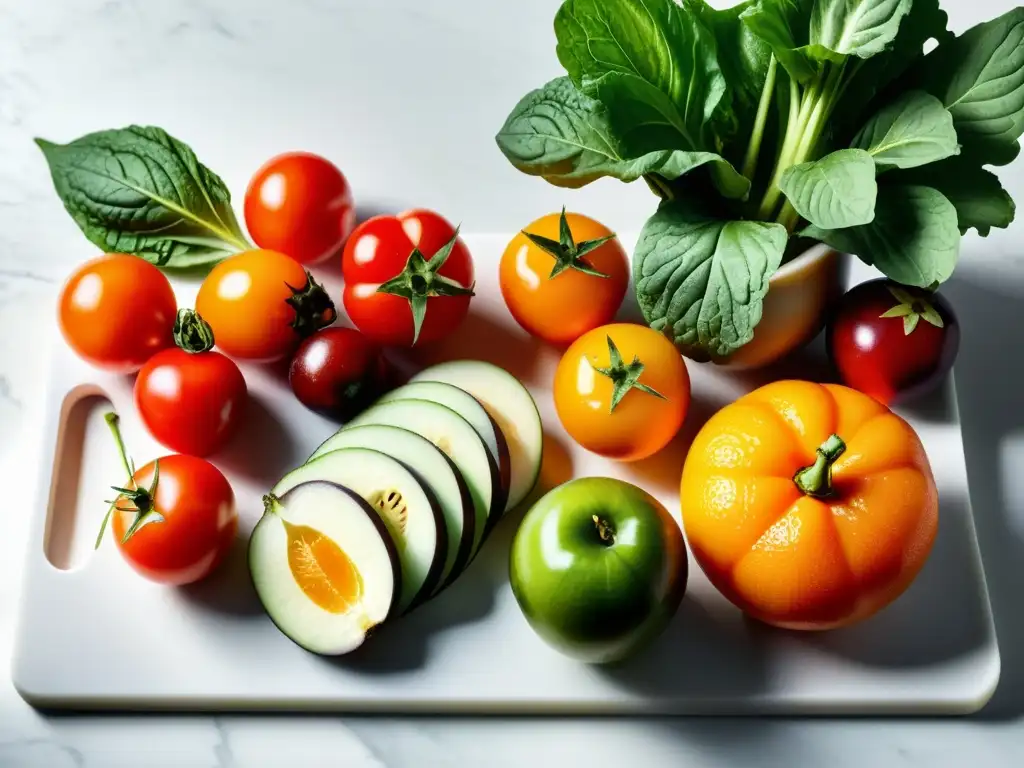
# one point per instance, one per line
(598, 567)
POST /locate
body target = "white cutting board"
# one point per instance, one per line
(95, 635)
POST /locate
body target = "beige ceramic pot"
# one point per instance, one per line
(799, 296)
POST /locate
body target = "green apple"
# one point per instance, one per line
(598, 567)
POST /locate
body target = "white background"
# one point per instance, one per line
(406, 96)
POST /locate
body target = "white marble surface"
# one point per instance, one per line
(406, 95)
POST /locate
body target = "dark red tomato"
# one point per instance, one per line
(191, 398)
(338, 372)
(300, 204)
(893, 342)
(174, 527)
(408, 278)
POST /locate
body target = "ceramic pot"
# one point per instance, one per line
(799, 296)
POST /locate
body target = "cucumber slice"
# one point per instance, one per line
(456, 438)
(511, 406)
(324, 567)
(409, 511)
(469, 408)
(437, 472)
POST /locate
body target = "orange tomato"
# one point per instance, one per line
(117, 311)
(560, 308)
(622, 391)
(261, 304)
(809, 506)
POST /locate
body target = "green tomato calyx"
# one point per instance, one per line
(568, 254)
(192, 333)
(912, 309)
(313, 307)
(142, 500)
(624, 377)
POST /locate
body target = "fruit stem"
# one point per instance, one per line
(270, 504)
(112, 420)
(192, 333)
(816, 480)
(604, 530)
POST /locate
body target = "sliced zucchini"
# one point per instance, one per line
(437, 472)
(410, 512)
(469, 408)
(324, 566)
(511, 406)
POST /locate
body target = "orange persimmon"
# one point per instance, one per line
(809, 506)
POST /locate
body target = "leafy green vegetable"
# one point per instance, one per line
(562, 135)
(834, 192)
(913, 239)
(980, 200)
(823, 117)
(704, 278)
(856, 27)
(138, 190)
(914, 130)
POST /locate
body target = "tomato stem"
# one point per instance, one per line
(313, 307)
(624, 377)
(567, 253)
(142, 499)
(192, 333)
(816, 480)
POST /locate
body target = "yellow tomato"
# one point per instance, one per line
(564, 275)
(622, 391)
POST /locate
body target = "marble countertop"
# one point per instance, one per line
(410, 103)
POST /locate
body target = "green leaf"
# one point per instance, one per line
(784, 25)
(139, 190)
(836, 191)
(979, 78)
(703, 280)
(913, 239)
(913, 130)
(652, 65)
(563, 136)
(860, 28)
(980, 200)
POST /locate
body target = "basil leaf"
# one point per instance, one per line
(784, 25)
(860, 28)
(980, 200)
(651, 63)
(836, 191)
(979, 78)
(703, 280)
(560, 134)
(911, 131)
(913, 239)
(138, 190)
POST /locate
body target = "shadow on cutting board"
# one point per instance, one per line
(405, 644)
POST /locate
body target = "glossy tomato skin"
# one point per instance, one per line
(117, 311)
(200, 522)
(300, 204)
(191, 403)
(338, 372)
(875, 355)
(560, 309)
(245, 299)
(642, 423)
(378, 251)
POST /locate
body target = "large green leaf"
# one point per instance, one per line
(702, 280)
(979, 78)
(860, 28)
(560, 134)
(980, 200)
(913, 130)
(834, 192)
(784, 25)
(653, 65)
(139, 190)
(913, 239)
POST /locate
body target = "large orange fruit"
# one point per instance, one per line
(809, 506)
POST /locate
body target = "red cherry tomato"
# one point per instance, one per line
(191, 398)
(391, 273)
(300, 204)
(117, 311)
(185, 518)
(893, 342)
(338, 372)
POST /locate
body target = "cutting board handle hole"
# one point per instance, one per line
(81, 480)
